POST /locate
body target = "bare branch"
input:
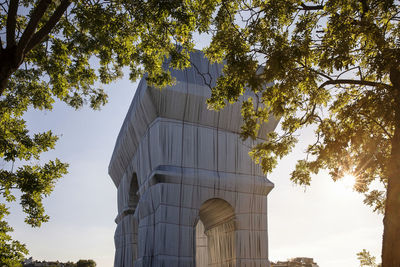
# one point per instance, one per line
(311, 147)
(11, 22)
(45, 30)
(37, 14)
(365, 8)
(310, 8)
(345, 71)
(360, 73)
(307, 116)
(2, 7)
(208, 83)
(293, 20)
(355, 82)
(315, 71)
(377, 123)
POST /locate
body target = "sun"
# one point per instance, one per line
(348, 181)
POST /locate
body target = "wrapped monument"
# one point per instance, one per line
(188, 192)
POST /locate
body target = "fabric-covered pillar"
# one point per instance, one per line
(125, 238)
(166, 228)
(201, 246)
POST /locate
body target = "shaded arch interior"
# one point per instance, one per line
(215, 234)
(133, 192)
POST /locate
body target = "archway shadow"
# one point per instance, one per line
(215, 234)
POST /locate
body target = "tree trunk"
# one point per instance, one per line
(391, 221)
(9, 63)
(4, 77)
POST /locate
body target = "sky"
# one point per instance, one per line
(326, 221)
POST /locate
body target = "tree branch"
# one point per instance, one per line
(345, 71)
(379, 124)
(315, 71)
(3, 189)
(304, 119)
(317, 7)
(365, 8)
(11, 22)
(37, 14)
(45, 30)
(355, 82)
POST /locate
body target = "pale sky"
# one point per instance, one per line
(327, 221)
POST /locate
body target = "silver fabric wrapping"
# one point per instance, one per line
(188, 193)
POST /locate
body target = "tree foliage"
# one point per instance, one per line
(86, 263)
(11, 251)
(366, 259)
(63, 50)
(334, 65)
(327, 70)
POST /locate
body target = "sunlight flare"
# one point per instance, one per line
(348, 181)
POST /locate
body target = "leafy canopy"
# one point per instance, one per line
(63, 50)
(335, 66)
(330, 64)
(86, 263)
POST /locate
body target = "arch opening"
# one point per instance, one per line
(133, 197)
(215, 234)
